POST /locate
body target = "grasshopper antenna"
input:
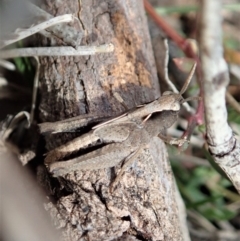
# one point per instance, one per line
(188, 80)
(185, 86)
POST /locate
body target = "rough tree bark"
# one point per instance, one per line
(143, 206)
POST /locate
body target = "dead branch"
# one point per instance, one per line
(222, 144)
(144, 202)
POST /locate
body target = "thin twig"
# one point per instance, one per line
(164, 26)
(202, 221)
(56, 51)
(183, 43)
(190, 159)
(35, 88)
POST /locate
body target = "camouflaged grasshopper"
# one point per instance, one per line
(121, 138)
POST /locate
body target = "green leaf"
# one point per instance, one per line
(202, 128)
(217, 214)
(233, 115)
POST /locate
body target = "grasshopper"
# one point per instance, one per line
(120, 138)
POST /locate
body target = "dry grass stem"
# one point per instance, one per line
(57, 51)
(24, 33)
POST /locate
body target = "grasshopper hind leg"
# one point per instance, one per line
(111, 133)
(128, 162)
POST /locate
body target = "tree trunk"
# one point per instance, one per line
(143, 205)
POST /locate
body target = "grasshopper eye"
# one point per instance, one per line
(176, 106)
(167, 93)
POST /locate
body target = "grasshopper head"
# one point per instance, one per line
(171, 101)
